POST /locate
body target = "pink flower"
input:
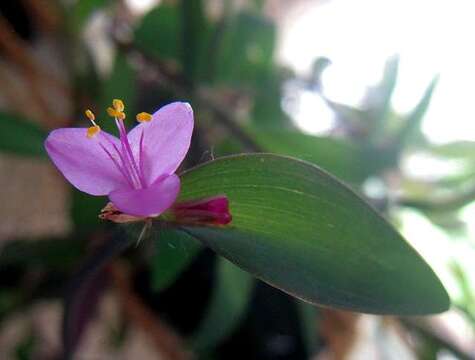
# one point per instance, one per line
(137, 170)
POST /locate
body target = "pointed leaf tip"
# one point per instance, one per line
(299, 229)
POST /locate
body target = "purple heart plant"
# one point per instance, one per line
(137, 170)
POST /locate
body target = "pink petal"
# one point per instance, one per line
(83, 161)
(166, 139)
(151, 201)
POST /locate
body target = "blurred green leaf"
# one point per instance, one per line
(231, 295)
(455, 150)
(351, 117)
(412, 124)
(427, 349)
(432, 341)
(24, 350)
(449, 221)
(258, 4)
(174, 251)
(195, 34)
(299, 229)
(468, 294)
(82, 9)
(10, 300)
(85, 211)
(246, 54)
(460, 153)
(120, 85)
(80, 307)
(457, 180)
(20, 136)
(160, 33)
(318, 67)
(380, 96)
(267, 110)
(308, 319)
(443, 203)
(58, 254)
(85, 289)
(341, 158)
(179, 33)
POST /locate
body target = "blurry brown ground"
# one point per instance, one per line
(33, 196)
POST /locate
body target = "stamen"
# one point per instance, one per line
(144, 117)
(115, 113)
(129, 154)
(111, 112)
(118, 105)
(141, 159)
(93, 131)
(129, 164)
(90, 115)
(121, 170)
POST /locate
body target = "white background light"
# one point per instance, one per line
(432, 37)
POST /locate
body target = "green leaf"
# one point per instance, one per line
(85, 211)
(309, 318)
(341, 158)
(229, 301)
(246, 54)
(318, 67)
(20, 136)
(299, 229)
(120, 85)
(179, 33)
(351, 117)
(195, 32)
(412, 125)
(82, 10)
(85, 289)
(258, 4)
(160, 32)
(463, 280)
(25, 349)
(175, 250)
(54, 254)
(267, 110)
(382, 95)
(455, 150)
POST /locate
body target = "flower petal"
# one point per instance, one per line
(166, 139)
(151, 201)
(84, 162)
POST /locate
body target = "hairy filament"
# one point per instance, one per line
(117, 165)
(128, 151)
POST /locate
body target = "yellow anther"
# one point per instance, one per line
(144, 117)
(112, 112)
(115, 113)
(93, 131)
(90, 115)
(118, 105)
